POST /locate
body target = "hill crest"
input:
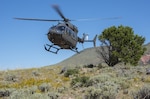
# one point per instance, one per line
(88, 56)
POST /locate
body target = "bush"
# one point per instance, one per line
(20, 94)
(4, 93)
(104, 78)
(35, 73)
(143, 93)
(102, 65)
(89, 66)
(98, 79)
(37, 96)
(81, 81)
(33, 89)
(53, 95)
(92, 93)
(25, 94)
(97, 93)
(11, 77)
(71, 72)
(44, 87)
(61, 89)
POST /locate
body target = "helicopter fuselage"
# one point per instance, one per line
(63, 36)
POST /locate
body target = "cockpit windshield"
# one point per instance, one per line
(61, 28)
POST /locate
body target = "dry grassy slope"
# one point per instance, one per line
(25, 83)
(85, 57)
(88, 56)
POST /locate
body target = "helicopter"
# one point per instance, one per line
(64, 35)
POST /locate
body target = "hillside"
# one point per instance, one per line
(100, 82)
(119, 82)
(85, 57)
(88, 56)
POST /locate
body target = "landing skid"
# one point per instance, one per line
(49, 47)
(74, 50)
(53, 49)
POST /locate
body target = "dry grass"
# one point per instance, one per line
(129, 78)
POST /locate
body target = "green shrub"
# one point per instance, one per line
(104, 78)
(89, 66)
(33, 89)
(35, 73)
(4, 93)
(71, 72)
(61, 89)
(53, 95)
(25, 94)
(20, 94)
(81, 81)
(108, 85)
(44, 87)
(10, 77)
(98, 79)
(97, 93)
(38, 96)
(102, 65)
(143, 93)
(92, 93)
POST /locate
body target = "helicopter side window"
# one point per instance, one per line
(73, 35)
(67, 31)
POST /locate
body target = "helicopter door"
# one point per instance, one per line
(70, 36)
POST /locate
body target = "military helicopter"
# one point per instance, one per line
(64, 35)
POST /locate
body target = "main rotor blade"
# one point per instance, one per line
(60, 13)
(33, 19)
(94, 19)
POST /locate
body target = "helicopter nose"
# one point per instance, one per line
(52, 31)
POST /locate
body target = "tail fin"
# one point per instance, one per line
(94, 41)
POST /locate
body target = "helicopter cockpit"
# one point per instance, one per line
(57, 29)
(60, 29)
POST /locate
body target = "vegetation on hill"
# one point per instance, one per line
(86, 82)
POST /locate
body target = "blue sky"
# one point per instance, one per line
(22, 41)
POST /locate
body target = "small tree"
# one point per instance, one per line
(120, 44)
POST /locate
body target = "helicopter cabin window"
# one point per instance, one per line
(67, 31)
(70, 33)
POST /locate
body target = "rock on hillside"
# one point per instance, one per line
(145, 59)
(85, 57)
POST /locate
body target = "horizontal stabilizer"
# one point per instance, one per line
(94, 41)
